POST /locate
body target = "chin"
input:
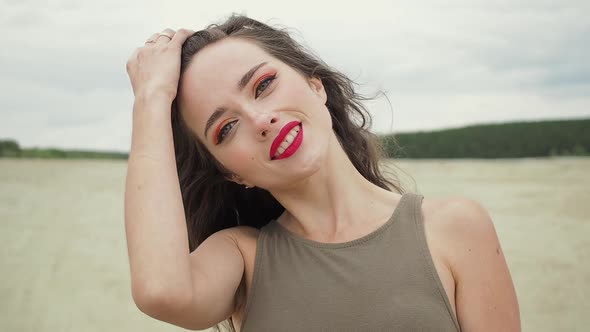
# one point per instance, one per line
(318, 157)
(310, 162)
(298, 170)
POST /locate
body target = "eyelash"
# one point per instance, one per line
(223, 131)
(269, 79)
(220, 135)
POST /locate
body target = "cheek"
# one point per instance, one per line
(301, 93)
(239, 159)
(292, 89)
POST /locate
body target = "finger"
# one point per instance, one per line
(165, 37)
(131, 61)
(180, 37)
(151, 40)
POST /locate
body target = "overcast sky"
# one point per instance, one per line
(442, 64)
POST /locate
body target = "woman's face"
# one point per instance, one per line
(242, 98)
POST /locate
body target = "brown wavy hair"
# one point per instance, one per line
(211, 202)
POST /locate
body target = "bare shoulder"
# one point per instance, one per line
(243, 235)
(458, 226)
(461, 215)
(246, 238)
(464, 232)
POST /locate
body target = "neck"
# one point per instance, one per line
(336, 203)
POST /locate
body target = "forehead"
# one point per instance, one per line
(213, 75)
(226, 56)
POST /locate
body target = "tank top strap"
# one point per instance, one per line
(415, 222)
(409, 207)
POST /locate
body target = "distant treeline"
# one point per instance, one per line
(506, 140)
(10, 148)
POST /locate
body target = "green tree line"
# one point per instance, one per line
(506, 140)
(10, 148)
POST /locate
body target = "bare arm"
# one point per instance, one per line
(197, 290)
(155, 224)
(485, 295)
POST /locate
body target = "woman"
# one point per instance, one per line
(258, 153)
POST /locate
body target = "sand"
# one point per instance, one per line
(64, 263)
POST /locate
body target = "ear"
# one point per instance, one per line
(318, 87)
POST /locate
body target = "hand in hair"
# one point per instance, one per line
(154, 68)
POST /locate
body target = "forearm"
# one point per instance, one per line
(154, 215)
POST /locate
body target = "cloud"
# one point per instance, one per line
(441, 63)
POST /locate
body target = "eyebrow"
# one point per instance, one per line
(241, 85)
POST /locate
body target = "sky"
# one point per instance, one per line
(440, 64)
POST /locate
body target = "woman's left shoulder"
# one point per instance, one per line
(458, 217)
(461, 230)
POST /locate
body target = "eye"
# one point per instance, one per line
(264, 84)
(224, 131)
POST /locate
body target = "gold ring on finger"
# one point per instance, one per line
(164, 34)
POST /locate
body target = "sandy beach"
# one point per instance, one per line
(64, 263)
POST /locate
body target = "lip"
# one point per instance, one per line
(281, 137)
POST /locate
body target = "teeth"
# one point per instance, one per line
(288, 140)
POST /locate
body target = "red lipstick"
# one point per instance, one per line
(281, 137)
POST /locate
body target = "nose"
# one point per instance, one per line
(263, 123)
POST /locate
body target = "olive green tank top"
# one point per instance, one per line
(383, 281)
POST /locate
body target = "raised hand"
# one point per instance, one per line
(154, 69)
